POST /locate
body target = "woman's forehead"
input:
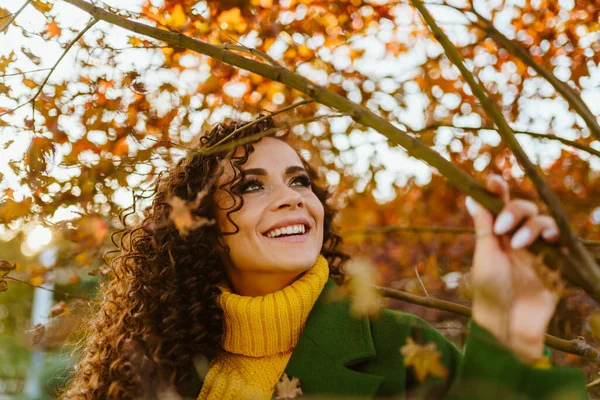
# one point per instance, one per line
(270, 154)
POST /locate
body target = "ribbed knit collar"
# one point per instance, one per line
(271, 324)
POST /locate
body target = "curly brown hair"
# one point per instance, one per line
(158, 310)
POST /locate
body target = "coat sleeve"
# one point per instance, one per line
(488, 370)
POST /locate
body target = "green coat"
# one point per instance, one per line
(360, 358)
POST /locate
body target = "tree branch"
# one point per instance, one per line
(255, 52)
(576, 346)
(68, 295)
(414, 147)
(568, 142)
(382, 230)
(14, 16)
(584, 267)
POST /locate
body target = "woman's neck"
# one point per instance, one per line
(260, 283)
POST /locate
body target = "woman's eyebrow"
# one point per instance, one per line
(262, 171)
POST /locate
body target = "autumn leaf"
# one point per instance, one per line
(59, 308)
(288, 389)
(5, 268)
(29, 83)
(182, 217)
(53, 29)
(177, 20)
(11, 210)
(41, 6)
(361, 285)
(424, 359)
(35, 59)
(5, 61)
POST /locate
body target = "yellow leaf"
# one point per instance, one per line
(425, 360)
(177, 19)
(232, 19)
(361, 282)
(29, 83)
(41, 6)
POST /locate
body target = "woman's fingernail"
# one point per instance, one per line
(520, 238)
(471, 206)
(503, 223)
(549, 233)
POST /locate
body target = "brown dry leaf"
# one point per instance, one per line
(182, 217)
(288, 388)
(362, 279)
(425, 360)
(35, 59)
(3, 285)
(59, 308)
(6, 267)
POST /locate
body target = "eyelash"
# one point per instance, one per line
(244, 185)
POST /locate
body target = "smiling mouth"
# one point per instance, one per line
(292, 238)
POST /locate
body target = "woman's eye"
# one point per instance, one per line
(250, 186)
(303, 180)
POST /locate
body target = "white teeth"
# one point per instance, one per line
(288, 230)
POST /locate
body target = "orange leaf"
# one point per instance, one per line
(53, 29)
(121, 147)
(425, 360)
(29, 83)
(288, 388)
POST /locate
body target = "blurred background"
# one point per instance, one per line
(90, 114)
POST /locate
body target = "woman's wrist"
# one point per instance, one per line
(526, 347)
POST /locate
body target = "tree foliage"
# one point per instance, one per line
(88, 125)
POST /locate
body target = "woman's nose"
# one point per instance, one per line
(288, 197)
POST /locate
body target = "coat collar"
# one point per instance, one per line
(331, 341)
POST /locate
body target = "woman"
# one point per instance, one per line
(249, 292)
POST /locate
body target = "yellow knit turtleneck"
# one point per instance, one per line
(259, 335)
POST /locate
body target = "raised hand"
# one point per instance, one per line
(509, 297)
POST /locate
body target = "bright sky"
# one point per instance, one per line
(398, 167)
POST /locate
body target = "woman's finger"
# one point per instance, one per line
(498, 186)
(512, 214)
(531, 229)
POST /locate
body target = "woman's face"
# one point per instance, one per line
(279, 205)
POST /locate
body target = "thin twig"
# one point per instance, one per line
(420, 281)
(24, 72)
(79, 35)
(48, 289)
(568, 142)
(14, 16)
(576, 346)
(286, 125)
(256, 121)
(584, 271)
